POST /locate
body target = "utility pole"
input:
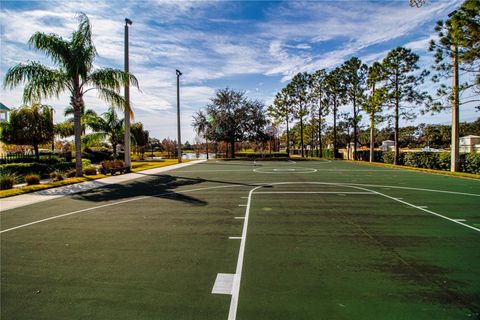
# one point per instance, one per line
(127, 101)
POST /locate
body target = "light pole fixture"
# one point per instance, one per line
(179, 142)
(127, 101)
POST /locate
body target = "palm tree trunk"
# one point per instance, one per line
(77, 109)
(114, 147)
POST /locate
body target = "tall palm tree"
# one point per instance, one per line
(108, 127)
(74, 73)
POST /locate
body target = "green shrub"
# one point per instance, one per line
(71, 173)
(444, 161)
(85, 162)
(387, 157)
(22, 169)
(90, 171)
(56, 176)
(471, 163)
(428, 160)
(32, 179)
(7, 180)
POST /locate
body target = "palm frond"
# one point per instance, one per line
(53, 46)
(41, 82)
(114, 79)
(115, 99)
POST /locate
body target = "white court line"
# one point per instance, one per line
(239, 218)
(107, 205)
(232, 314)
(242, 205)
(426, 210)
(235, 238)
(238, 273)
(314, 192)
(410, 188)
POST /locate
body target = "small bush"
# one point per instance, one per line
(56, 176)
(7, 180)
(90, 171)
(71, 173)
(32, 179)
(85, 162)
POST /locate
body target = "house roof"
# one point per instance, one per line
(4, 107)
(470, 136)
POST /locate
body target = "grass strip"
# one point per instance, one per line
(136, 166)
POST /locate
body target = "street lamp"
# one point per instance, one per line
(179, 142)
(127, 100)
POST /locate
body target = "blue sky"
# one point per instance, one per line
(255, 46)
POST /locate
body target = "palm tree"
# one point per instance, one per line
(139, 137)
(69, 111)
(202, 125)
(74, 73)
(109, 127)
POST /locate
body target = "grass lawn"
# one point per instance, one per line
(304, 240)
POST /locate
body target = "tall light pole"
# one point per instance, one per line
(179, 142)
(127, 101)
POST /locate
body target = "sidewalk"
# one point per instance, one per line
(53, 193)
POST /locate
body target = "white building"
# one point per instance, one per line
(469, 144)
(387, 145)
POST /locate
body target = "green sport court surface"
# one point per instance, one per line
(272, 240)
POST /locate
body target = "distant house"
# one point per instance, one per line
(469, 144)
(387, 145)
(4, 111)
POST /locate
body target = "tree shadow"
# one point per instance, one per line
(161, 186)
(153, 185)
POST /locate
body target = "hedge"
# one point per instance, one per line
(43, 169)
(469, 162)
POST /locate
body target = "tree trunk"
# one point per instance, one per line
(114, 147)
(288, 139)
(37, 154)
(232, 150)
(335, 147)
(354, 129)
(77, 110)
(454, 149)
(301, 135)
(397, 149)
(372, 130)
(320, 133)
(206, 142)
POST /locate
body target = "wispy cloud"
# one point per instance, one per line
(217, 43)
